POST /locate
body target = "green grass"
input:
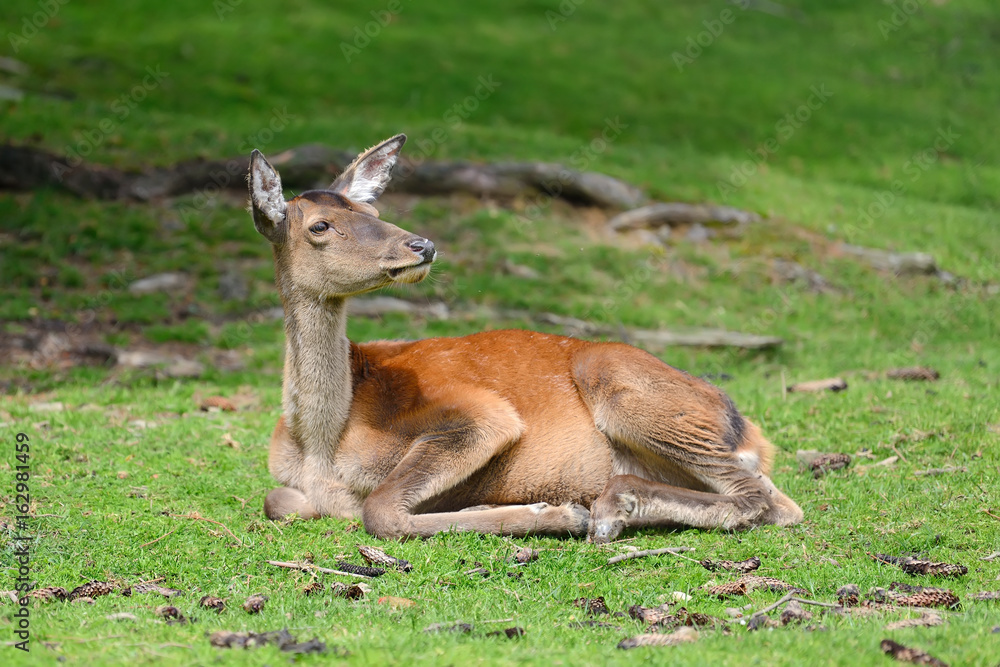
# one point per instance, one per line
(131, 453)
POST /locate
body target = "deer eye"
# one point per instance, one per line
(319, 227)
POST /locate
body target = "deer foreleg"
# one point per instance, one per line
(442, 459)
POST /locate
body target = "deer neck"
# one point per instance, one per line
(317, 381)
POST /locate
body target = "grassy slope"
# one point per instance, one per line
(686, 131)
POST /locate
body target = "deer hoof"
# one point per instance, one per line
(603, 531)
(579, 517)
(285, 500)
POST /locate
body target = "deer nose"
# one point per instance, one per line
(422, 247)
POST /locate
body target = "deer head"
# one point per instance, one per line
(330, 243)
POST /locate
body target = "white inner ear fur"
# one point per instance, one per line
(369, 175)
(266, 188)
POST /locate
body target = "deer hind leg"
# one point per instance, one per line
(445, 457)
(694, 460)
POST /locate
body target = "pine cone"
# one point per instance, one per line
(169, 611)
(696, 619)
(913, 566)
(374, 555)
(916, 566)
(743, 566)
(824, 463)
(652, 615)
(511, 633)
(904, 654)
(362, 570)
(748, 583)
(355, 592)
(49, 593)
(929, 598)
(311, 588)
(92, 589)
(913, 373)
(212, 602)
(593, 606)
(254, 604)
(848, 595)
(526, 555)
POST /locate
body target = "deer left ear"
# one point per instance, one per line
(266, 198)
(366, 178)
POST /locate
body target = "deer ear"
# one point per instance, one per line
(365, 179)
(266, 199)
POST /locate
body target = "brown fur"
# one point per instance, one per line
(508, 432)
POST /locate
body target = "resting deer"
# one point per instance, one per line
(503, 432)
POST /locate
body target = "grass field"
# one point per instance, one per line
(897, 151)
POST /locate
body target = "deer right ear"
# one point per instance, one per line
(266, 198)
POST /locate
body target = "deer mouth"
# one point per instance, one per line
(410, 274)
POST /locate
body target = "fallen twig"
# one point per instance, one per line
(197, 517)
(309, 567)
(142, 546)
(790, 597)
(673, 551)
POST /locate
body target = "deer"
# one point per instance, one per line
(506, 432)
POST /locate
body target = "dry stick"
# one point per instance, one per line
(673, 551)
(991, 514)
(790, 597)
(198, 517)
(992, 556)
(309, 567)
(160, 538)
